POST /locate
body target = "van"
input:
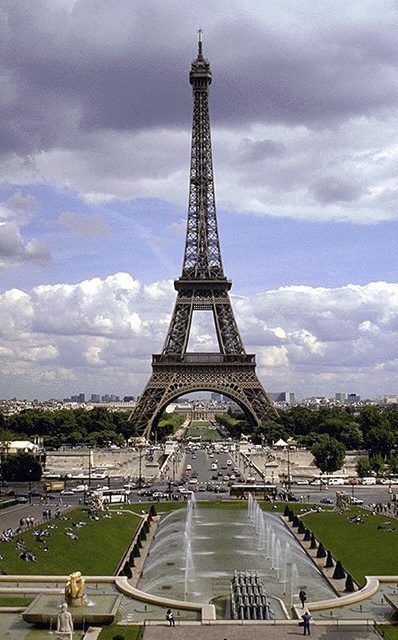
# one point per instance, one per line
(336, 481)
(189, 467)
(368, 480)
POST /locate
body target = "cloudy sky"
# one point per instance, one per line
(95, 118)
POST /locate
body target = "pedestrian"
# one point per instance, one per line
(306, 618)
(170, 618)
(302, 596)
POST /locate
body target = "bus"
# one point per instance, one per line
(115, 496)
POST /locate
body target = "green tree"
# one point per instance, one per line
(329, 455)
(351, 435)
(303, 420)
(393, 465)
(371, 417)
(380, 440)
(363, 467)
(377, 463)
(21, 467)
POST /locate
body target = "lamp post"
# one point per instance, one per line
(288, 471)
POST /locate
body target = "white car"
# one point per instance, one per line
(354, 500)
(80, 487)
(229, 462)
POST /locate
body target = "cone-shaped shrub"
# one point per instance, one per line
(296, 521)
(146, 525)
(329, 561)
(321, 553)
(349, 584)
(152, 510)
(127, 571)
(339, 572)
(313, 542)
(307, 535)
(301, 527)
(142, 535)
(286, 511)
(131, 558)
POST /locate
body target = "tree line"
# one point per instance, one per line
(329, 432)
(97, 428)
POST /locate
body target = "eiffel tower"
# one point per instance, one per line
(202, 286)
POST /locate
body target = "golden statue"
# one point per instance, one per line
(74, 588)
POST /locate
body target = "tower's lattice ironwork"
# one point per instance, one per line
(202, 286)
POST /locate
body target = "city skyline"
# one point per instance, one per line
(303, 108)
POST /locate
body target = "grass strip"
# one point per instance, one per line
(133, 632)
(14, 601)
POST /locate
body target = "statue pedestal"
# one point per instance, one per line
(63, 635)
(76, 602)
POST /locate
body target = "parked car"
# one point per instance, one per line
(22, 499)
(326, 501)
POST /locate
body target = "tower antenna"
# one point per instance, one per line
(200, 41)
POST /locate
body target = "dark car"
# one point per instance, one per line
(23, 499)
(292, 498)
(326, 501)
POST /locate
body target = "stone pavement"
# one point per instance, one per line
(258, 632)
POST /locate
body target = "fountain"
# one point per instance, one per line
(188, 544)
(205, 546)
(41, 611)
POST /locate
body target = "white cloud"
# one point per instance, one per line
(99, 334)
(15, 250)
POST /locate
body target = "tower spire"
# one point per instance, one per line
(202, 256)
(200, 36)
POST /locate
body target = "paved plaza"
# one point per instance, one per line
(259, 632)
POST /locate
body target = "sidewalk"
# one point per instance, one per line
(258, 632)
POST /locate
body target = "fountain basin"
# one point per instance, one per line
(44, 609)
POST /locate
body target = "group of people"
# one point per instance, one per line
(27, 522)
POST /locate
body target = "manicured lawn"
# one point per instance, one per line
(389, 633)
(14, 601)
(277, 507)
(128, 633)
(362, 548)
(98, 550)
(204, 430)
(161, 507)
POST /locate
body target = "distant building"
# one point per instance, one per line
(353, 397)
(341, 397)
(80, 398)
(282, 396)
(95, 397)
(128, 399)
(391, 399)
(110, 398)
(217, 397)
